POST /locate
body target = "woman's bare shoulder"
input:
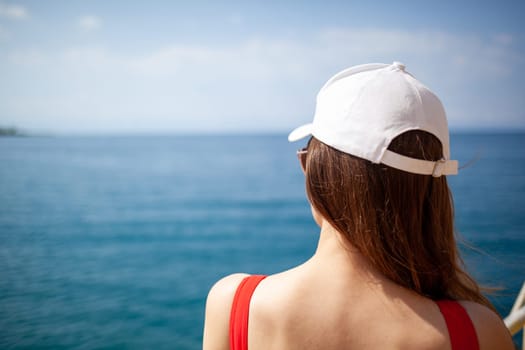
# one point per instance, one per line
(491, 331)
(218, 306)
(225, 288)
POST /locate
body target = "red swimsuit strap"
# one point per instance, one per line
(240, 312)
(460, 328)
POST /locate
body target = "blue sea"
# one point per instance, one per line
(114, 242)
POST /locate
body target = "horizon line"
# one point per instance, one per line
(223, 132)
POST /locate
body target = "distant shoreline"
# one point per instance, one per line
(10, 132)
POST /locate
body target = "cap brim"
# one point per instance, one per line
(300, 132)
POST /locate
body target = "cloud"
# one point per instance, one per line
(277, 59)
(89, 23)
(13, 11)
(503, 38)
(474, 55)
(28, 57)
(259, 83)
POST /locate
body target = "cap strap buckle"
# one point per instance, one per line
(439, 166)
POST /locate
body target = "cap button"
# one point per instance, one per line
(399, 65)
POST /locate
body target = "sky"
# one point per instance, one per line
(148, 67)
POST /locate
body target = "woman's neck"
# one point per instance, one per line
(335, 251)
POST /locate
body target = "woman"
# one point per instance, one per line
(386, 272)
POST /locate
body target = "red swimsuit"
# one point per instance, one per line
(460, 328)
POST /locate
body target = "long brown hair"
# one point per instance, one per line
(402, 223)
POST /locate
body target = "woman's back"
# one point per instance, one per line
(309, 308)
(336, 301)
(327, 304)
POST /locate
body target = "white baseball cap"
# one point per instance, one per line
(361, 109)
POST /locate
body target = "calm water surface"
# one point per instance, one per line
(113, 242)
